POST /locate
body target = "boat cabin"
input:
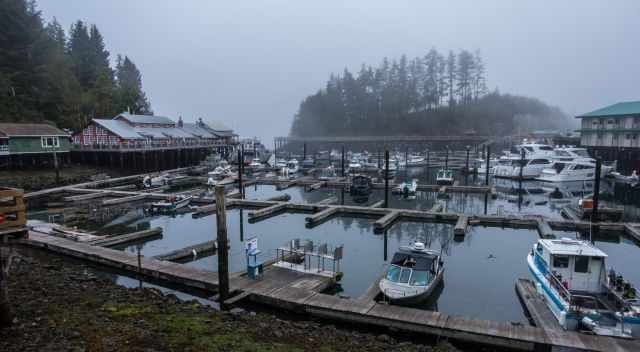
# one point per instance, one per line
(412, 268)
(360, 185)
(578, 265)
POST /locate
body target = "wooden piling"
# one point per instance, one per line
(596, 190)
(461, 225)
(223, 255)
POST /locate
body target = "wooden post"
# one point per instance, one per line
(521, 164)
(428, 175)
(240, 173)
(386, 178)
(223, 249)
(56, 165)
(596, 190)
(486, 172)
(467, 164)
(446, 159)
(343, 161)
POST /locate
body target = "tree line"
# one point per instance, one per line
(431, 94)
(47, 74)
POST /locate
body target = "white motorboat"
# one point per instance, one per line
(292, 167)
(444, 177)
(412, 275)
(571, 153)
(481, 165)
(531, 150)
(256, 164)
(528, 168)
(564, 171)
(177, 202)
(219, 172)
(631, 180)
(572, 276)
(416, 160)
(406, 188)
(156, 181)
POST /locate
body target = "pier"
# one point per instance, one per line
(300, 292)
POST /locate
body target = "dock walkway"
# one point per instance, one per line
(300, 292)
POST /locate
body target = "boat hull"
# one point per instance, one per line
(415, 299)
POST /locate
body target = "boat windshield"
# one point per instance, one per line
(419, 278)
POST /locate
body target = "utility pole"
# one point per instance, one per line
(223, 248)
(596, 190)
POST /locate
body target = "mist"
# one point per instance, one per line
(249, 65)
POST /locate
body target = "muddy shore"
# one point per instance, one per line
(62, 305)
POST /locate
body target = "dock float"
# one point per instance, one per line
(130, 237)
(265, 213)
(125, 199)
(328, 200)
(186, 254)
(316, 186)
(544, 230)
(538, 311)
(321, 216)
(377, 204)
(632, 230)
(387, 220)
(300, 292)
(461, 225)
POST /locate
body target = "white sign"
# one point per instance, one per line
(251, 245)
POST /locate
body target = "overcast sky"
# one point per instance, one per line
(248, 64)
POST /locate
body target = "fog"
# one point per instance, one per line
(249, 64)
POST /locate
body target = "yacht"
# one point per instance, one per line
(444, 177)
(531, 150)
(412, 275)
(573, 278)
(571, 153)
(530, 167)
(563, 171)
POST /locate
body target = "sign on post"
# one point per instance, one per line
(251, 245)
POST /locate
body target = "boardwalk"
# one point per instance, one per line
(300, 292)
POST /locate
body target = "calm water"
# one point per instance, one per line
(480, 270)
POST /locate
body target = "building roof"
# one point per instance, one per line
(615, 110)
(119, 128)
(218, 126)
(30, 129)
(568, 246)
(145, 119)
(197, 131)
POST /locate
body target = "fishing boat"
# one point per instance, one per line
(572, 276)
(412, 275)
(172, 204)
(564, 171)
(444, 177)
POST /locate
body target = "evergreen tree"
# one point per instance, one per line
(451, 76)
(464, 76)
(129, 88)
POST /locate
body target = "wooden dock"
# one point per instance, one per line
(300, 292)
(461, 225)
(113, 241)
(538, 311)
(187, 254)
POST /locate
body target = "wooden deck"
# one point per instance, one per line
(300, 292)
(538, 311)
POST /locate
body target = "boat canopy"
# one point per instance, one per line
(567, 246)
(414, 260)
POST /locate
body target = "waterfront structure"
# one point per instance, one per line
(168, 143)
(32, 144)
(613, 132)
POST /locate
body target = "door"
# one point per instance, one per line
(581, 275)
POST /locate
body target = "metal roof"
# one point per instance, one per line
(568, 246)
(217, 126)
(615, 110)
(30, 129)
(119, 128)
(145, 119)
(197, 131)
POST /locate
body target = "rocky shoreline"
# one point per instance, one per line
(60, 305)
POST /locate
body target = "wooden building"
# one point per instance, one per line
(613, 132)
(24, 145)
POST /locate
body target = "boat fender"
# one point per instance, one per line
(589, 323)
(562, 319)
(539, 288)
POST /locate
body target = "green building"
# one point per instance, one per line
(32, 145)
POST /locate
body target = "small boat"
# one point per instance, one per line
(444, 177)
(406, 188)
(157, 181)
(328, 173)
(256, 164)
(631, 180)
(175, 203)
(412, 275)
(416, 160)
(292, 167)
(572, 276)
(354, 167)
(219, 173)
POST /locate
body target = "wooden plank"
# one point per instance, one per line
(461, 226)
(130, 237)
(387, 220)
(535, 305)
(125, 199)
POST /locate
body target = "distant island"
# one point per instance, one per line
(430, 95)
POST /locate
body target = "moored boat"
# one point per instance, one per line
(172, 204)
(412, 275)
(444, 177)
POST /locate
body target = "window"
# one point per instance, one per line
(581, 264)
(539, 161)
(49, 142)
(394, 273)
(404, 275)
(546, 147)
(419, 278)
(560, 261)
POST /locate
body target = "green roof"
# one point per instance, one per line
(615, 110)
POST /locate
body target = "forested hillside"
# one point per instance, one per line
(62, 77)
(433, 94)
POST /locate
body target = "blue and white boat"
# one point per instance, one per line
(573, 278)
